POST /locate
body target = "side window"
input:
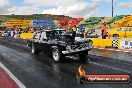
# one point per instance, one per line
(43, 36)
(123, 29)
(129, 29)
(37, 36)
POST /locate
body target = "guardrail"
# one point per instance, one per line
(125, 43)
(98, 42)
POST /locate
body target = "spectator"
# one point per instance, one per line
(34, 29)
(81, 30)
(74, 30)
(12, 33)
(20, 30)
(26, 30)
(31, 30)
(128, 25)
(85, 32)
(104, 31)
(16, 31)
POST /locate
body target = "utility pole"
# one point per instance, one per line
(112, 8)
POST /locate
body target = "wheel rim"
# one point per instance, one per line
(56, 55)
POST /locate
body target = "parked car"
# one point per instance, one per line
(121, 32)
(6, 33)
(60, 43)
(92, 34)
(91, 31)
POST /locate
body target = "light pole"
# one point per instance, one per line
(112, 8)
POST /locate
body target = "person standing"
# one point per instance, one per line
(12, 33)
(74, 29)
(81, 30)
(16, 31)
(104, 31)
(31, 30)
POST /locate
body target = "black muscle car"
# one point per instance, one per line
(60, 43)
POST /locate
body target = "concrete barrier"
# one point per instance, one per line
(98, 42)
(26, 35)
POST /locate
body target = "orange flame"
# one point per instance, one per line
(81, 71)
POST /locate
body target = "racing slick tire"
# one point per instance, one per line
(82, 56)
(34, 50)
(56, 55)
(115, 35)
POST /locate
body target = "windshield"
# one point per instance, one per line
(56, 34)
(60, 35)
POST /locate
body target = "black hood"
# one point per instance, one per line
(70, 38)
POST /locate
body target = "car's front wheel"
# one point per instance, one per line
(57, 56)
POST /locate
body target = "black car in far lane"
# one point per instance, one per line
(60, 43)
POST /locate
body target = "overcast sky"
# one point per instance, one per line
(74, 8)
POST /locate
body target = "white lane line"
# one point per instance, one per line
(118, 69)
(110, 49)
(126, 51)
(12, 76)
(118, 50)
(101, 48)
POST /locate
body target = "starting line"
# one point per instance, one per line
(118, 50)
(7, 73)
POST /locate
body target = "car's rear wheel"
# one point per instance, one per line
(57, 56)
(116, 35)
(83, 56)
(34, 50)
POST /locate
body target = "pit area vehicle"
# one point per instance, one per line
(60, 43)
(91, 33)
(6, 33)
(121, 32)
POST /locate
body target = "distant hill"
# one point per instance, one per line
(31, 17)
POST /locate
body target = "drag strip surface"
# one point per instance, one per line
(41, 71)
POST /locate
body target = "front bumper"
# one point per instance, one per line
(76, 50)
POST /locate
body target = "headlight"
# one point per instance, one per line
(68, 47)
